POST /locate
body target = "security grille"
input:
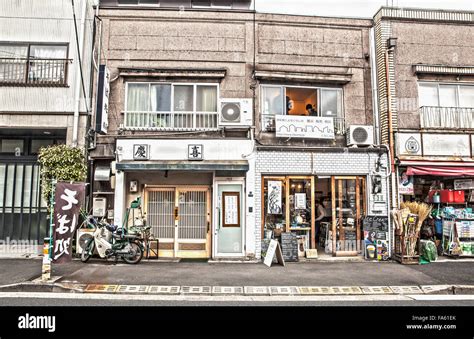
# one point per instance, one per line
(192, 215)
(160, 213)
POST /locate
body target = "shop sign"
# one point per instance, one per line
(300, 201)
(293, 126)
(141, 152)
(463, 184)
(446, 145)
(195, 152)
(102, 108)
(274, 197)
(409, 143)
(405, 185)
(68, 201)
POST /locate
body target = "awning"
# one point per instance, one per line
(102, 173)
(171, 165)
(451, 171)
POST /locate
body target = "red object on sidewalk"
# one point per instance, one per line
(459, 197)
(447, 195)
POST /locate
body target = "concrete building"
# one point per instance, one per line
(45, 77)
(425, 87)
(208, 112)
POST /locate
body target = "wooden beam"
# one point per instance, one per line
(357, 197)
(313, 214)
(341, 215)
(287, 204)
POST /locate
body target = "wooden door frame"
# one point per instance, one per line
(177, 189)
(360, 188)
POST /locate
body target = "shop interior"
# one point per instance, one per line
(314, 208)
(450, 223)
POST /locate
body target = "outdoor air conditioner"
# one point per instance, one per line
(236, 112)
(360, 135)
(82, 235)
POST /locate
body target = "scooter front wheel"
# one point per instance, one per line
(87, 250)
(136, 254)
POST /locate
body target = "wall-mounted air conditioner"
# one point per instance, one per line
(236, 112)
(360, 135)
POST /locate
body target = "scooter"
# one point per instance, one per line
(113, 241)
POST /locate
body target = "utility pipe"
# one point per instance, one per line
(77, 94)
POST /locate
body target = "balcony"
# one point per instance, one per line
(33, 72)
(435, 117)
(171, 121)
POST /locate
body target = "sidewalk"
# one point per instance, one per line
(78, 275)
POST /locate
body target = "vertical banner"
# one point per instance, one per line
(68, 201)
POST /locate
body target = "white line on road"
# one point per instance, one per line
(96, 296)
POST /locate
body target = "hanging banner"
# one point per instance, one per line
(68, 201)
(405, 186)
(274, 197)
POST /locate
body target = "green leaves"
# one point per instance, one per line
(63, 163)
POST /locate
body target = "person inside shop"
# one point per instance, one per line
(321, 216)
(310, 110)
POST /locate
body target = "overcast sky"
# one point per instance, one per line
(352, 8)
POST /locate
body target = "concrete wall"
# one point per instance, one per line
(215, 39)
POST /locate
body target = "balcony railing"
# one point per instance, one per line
(447, 117)
(171, 121)
(269, 124)
(48, 72)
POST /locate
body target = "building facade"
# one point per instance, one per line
(425, 92)
(214, 110)
(45, 84)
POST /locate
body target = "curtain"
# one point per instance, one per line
(206, 99)
(47, 70)
(137, 97)
(13, 69)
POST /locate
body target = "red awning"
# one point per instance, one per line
(451, 171)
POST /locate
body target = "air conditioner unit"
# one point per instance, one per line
(82, 236)
(236, 112)
(360, 135)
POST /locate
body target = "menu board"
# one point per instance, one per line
(289, 246)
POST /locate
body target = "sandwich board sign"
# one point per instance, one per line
(274, 248)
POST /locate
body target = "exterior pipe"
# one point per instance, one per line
(77, 95)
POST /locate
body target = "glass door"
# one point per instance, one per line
(348, 208)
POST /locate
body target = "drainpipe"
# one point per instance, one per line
(394, 200)
(77, 94)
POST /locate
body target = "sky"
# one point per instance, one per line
(352, 8)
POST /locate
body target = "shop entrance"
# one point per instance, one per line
(180, 219)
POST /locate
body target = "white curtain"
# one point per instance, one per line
(206, 99)
(47, 70)
(160, 98)
(138, 97)
(12, 69)
(183, 98)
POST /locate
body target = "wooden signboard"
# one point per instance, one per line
(274, 248)
(289, 246)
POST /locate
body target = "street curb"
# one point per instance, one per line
(237, 290)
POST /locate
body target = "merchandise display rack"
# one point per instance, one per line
(460, 231)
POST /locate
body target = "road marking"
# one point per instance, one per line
(441, 296)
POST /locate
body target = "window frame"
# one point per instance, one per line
(284, 87)
(438, 84)
(28, 45)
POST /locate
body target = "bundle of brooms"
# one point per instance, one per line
(411, 225)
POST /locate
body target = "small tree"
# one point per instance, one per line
(63, 163)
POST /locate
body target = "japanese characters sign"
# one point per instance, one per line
(141, 152)
(195, 152)
(68, 198)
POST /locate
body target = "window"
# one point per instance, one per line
(446, 95)
(213, 3)
(303, 101)
(13, 146)
(171, 106)
(34, 64)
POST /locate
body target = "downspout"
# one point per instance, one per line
(77, 94)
